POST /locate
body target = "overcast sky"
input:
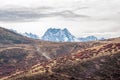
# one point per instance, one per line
(80, 17)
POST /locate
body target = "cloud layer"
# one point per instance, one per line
(31, 14)
(71, 10)
(79, 16)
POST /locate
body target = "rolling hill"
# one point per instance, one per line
(7, 37)
(100, 62)
(30, 59)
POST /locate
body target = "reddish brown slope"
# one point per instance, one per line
(92, 63)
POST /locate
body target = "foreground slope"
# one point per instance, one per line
(16, 52)
(102, 68)
(100, 62)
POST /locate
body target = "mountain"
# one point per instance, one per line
(63, 35)
(58, 35)
(8, 36)
(88, 38)
(31, 35)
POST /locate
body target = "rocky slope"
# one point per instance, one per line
(100, 62)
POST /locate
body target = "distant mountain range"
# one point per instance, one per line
(89, 38)
(63, 35)
(60, 35)
(31, 35)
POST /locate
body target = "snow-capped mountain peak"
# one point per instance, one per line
(88, 38)
(58, 35)
(31, 35)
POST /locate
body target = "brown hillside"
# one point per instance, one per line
(7, 37)
(96, 63)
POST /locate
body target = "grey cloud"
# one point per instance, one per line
(21, 14)
(69, 14)
(24, 14)
(17, 16)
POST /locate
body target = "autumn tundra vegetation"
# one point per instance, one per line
(23, 58)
